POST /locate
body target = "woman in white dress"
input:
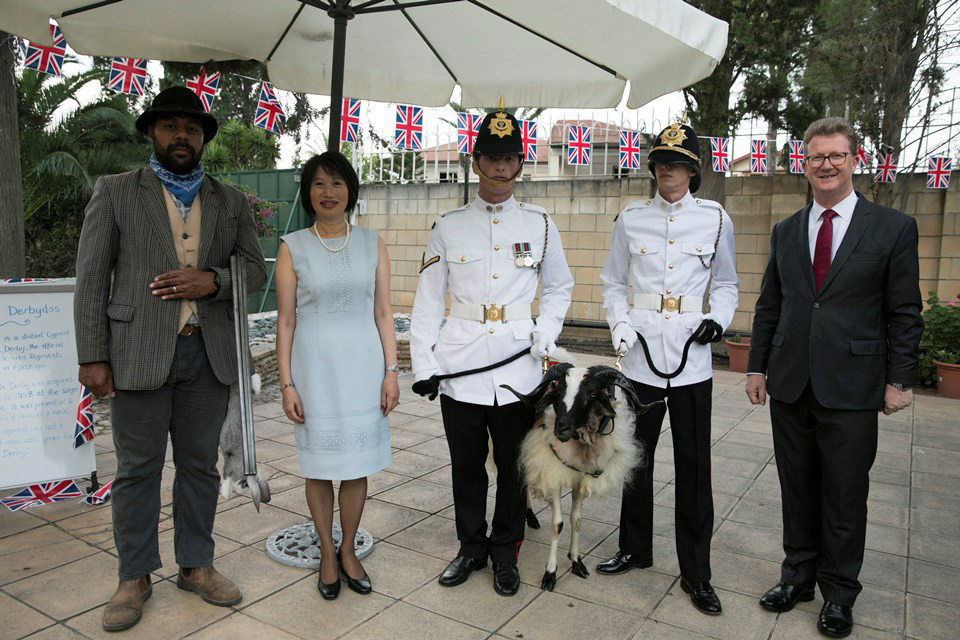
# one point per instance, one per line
(337, 355)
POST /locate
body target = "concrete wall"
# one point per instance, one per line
(584, 209)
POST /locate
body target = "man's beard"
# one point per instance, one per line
(173, 164)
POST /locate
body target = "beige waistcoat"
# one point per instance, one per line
(186, 241)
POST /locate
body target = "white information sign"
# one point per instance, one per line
(39, 391)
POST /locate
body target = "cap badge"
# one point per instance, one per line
(500, 125)
(673, 135)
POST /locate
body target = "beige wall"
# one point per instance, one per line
(583, 210)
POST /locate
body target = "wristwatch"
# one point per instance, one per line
(394, 367)
(216, 283)
(900, 387)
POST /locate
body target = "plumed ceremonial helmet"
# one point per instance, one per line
(178, 101)
(677, 144)
(499, 135)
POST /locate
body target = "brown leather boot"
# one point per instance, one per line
(125, 607)
(210, 585)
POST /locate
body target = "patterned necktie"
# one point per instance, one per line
(822, 250)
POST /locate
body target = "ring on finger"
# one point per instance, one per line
(174, 288)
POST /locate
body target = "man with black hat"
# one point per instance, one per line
(672, 247)
(152, 311)
(489, 256)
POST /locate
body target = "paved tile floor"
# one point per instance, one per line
(58, 565)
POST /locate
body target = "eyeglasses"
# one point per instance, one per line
(836, 159)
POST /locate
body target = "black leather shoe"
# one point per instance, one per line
(459, 570)
(506, 578)
(623, 562)
(702, 596)
(784, 597)
(836, 620)
(361, 586)
(328, 591)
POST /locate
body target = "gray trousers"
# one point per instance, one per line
(190, 408)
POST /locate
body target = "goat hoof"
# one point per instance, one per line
(264, 490)
(579, 568)
(549, 580)
(532, 521)
(560, 528)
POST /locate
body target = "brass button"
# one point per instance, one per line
(647, 202)
(495, 276)
(496, 220)
(669, 292)
(670, 241)
(644, 250)
(463, 258)
(672, 218)
(699, 249)
(490, 330)
(496, 247)
(521, 205)
(667, 316)
(699, 201)
(669, 266)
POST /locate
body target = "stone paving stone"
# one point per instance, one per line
(750, 438)
(722, 503)
(293, 500)
(761, 514)
(286, 465)
(802, 625)
(936, 483)
(929, 619)
(401, 438)
(749, 540)
(421, 408)
(888, 514)
(168, 557)
(880, 608)
(420, 495)
(893, 460)
(939, 501)
(95, 526)
(244, 525)
(890, 493)
(932, 521)
(554, 615)
(929, 460)
(272, 428)
(884, 569)
(57, 632)
(30, 556)
(743, 451)
(436, 447)
(743, 574)
(635, 592)
(384, 480)
(891, 540)
(256, 574)
(383, 519)
(890, 476)
(398, 419)
(592, 532)
(603, 509)
(18, 620)
(474, 602)
(395, 572)
(730, 485)
(12, 522)
(268, 410)
(268, 450)
(241, 627)
(97, 573)
(403, 621)
(742, 619)
(653, 630)
(934, 581)
(938, 440)
(737, 466)
(414, 465)
(432, 535)
(444, 476)
(764, 492)
(936, 549)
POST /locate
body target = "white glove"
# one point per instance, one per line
(543, 346)
(624, 337)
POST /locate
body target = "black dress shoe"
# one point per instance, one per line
(361, 586)
(836, 620)
(506, 578)
(459, 570)
(784, 597)
(623, 562)
(328, 591)
(702, 596)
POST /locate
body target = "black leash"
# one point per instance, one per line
(470, 372)
(683, 358)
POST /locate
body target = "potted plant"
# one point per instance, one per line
(739, 349)
(941, 337)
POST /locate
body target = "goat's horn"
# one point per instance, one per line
(608, 375)
(556, 372)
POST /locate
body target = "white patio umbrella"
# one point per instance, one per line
(538, 53)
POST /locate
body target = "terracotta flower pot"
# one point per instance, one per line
(739, 354)
(948, 379)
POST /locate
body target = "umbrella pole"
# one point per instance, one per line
(341, 13)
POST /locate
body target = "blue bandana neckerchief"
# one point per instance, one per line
(183, 187)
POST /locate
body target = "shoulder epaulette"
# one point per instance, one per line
(703, 202)
(463, 208)
(531, 207)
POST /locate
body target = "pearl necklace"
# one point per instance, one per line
(326, 246)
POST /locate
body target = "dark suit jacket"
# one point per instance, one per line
(860, 331)
(126, 241)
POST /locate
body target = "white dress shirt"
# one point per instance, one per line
(844, 210)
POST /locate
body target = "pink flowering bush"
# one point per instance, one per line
(264, 212)
(941, 334)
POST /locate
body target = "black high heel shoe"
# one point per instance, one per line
(329, 591)
(361, 586)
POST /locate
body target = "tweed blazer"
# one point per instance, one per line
(126, 241)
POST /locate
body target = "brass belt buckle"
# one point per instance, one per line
(492, 313)
(670, 304)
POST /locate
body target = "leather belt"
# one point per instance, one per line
(189, 329)
(484, 313)
(674, 304)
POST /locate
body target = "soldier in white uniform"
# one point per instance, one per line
(489, 256)
(669, 247)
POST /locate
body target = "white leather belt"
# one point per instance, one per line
(489, 313)
(659, 302)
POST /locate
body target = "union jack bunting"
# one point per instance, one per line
(99, 496)
(409, 130)
(863, 158)
(350, 121)
(796, 156)
(758, 156)
(938, 172)
(47, 59)
(44, 493)
(720, 154)
(629, 149)
(83, 431)
(22, 280)
(886, 168)
(270, 115)
(578, 145)
(127, 75)
(528, 132)
(468, 126)
(205, 86)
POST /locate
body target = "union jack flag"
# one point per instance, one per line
(886, 168)
(99, 496)
(23, 280)
(796, 156)
(409, 130)
(720, 154)
(83, 431)
(43, 493)
(270, 115)
(350, 121)
(127, 75)
(578, 145)
(205, 86)
(938, 172)
(47, 59)
(629, 149)
(528, 132)
(468, 126)
(758, 156)
(863, 158)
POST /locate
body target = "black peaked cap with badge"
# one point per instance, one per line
(178, 101)
(499, 135)
(677, 144)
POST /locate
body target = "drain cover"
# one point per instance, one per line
(299, 546)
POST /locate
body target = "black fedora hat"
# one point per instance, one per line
(178, 101)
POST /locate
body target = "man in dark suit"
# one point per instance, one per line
(836, 333)
(154, 331)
